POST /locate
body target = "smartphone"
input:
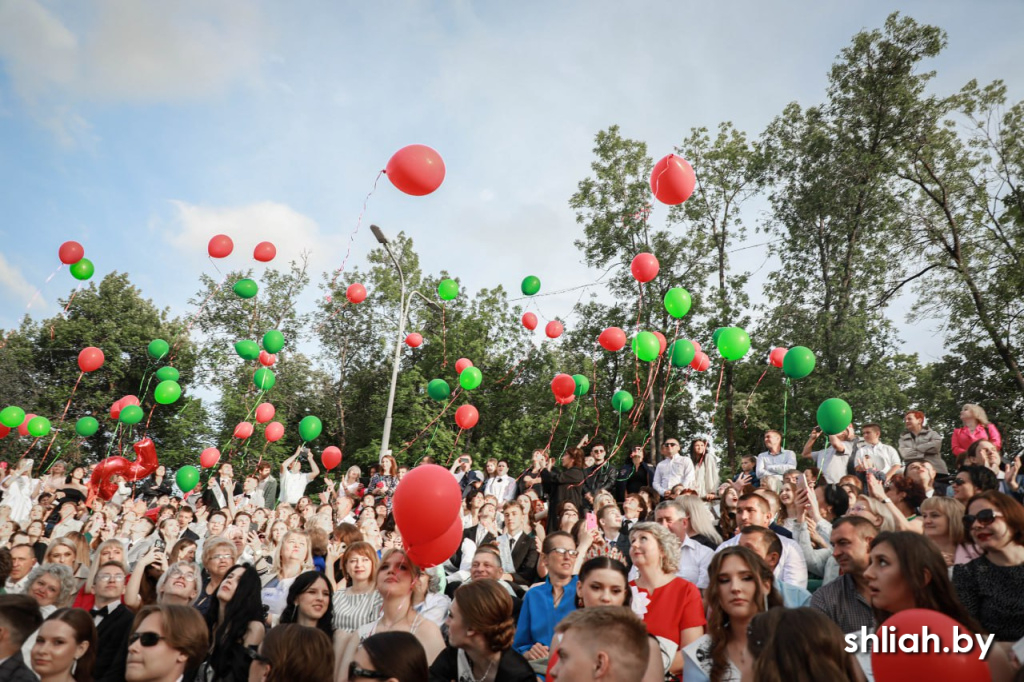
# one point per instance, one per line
(1008, 458)
(591, 521)
(801, 481)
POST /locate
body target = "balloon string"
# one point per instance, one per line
(444, 339)
(597, 409)
(332, 315)
(64, 313)
(455, 446)
(572, 423)
(661, 409)
(65, 413)
(785, 398)
(415, 438)
(434, 433)
(721, 375)
(746, 410)
(554, 425)
(352, 236)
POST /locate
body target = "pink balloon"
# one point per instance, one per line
(437, 551)
(612, 339)
(461, 364)
(273, 432)
(530, 321)
(267, 359)
(554, 329)
(425, 503)
(90, 359)
(644, 267)
(70, 253)
(416, 170)
(563, 385)
(701, 362)
(264, 413)
(243, 430)
(356, 293)
(23, 428)
(209, 458)
(662, 342)
(776, 356)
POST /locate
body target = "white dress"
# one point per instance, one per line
(697, 663)
(18, 496)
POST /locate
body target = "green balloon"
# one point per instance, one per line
(438, 389)
(582, 385)
(310, 427)
(168, 374)
(678, 302)
(247, 350)
(187, 478)
(531, 285)
(131, 414)
(448, 289)
(38, 427)
(834, 415)
(12, 416)
(166, 392)
(273, 341)
(798, 363)
(158, 348)
(733, 343)
(471, 378)
(681, 353)
(264, 379)
(716, 334)
(646, 346)
(622, 401)
(246, 288)
(86, 426)
(83, 269)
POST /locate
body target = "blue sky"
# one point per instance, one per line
(143, 128)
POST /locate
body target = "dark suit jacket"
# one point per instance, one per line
(112, 644)
(470, 534)
(524, 557)
(15, 670)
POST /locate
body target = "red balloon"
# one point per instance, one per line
(267, 359)
(129, 400)
(530, 321)
(564, 399)
(644, 267)
(935, 665)
(466, 417)
(426, 501)
(612, 339)
(662, 343)
(331, 457)
(145, 463)
(23, 429)
(414, 340)
(243, 430)
(115, 409)
(563, 385)
(554, 329)
(439, 550)
(4, 430)
(696, 346)
(220, 246)
(209, 457)
(264, 252)
(461, 364)
(264, 413)
(273, 432)
(673, 180)
(776, 356)
(90, 359)
(701, 362)
(70, 253)
(416, 170)
(356, 293)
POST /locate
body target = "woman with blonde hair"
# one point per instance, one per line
(975, 427)
(72, 551)
(294, 556)
(702, 523)
(943, 522)
(351, 484)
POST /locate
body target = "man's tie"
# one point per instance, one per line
(98, 612)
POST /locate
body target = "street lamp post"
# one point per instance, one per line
(404, 302)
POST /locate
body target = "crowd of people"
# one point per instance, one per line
(577, 568)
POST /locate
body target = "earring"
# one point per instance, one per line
(74, 665)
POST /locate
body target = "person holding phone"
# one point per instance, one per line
(293, 481)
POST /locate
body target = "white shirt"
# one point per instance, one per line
(792, 566)
(502, 487)
(767, 463)
(293, 486)
(883, 457)
(833, 465)
(672, 472)
(694, 559)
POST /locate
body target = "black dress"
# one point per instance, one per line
(994, 595)
(563, 485)
(512, 667)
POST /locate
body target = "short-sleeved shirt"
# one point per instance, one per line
(293, 486)
(670, 609)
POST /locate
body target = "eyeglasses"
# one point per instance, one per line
(253, 654)
(218, 557)
(985, 517)
(188, 576)
(565, 552)
(146, 639)
(960, 481)
(110, 578)
(355, 671)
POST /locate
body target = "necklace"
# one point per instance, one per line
(469, 672)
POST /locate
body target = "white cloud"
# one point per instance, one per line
(17, 289)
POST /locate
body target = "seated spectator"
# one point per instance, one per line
(235, 622)
(359, 603)
(390, 656)
(547, 603)
(607, 643)
(19, 618)
(179, 584)
(113, 621)
(904, 496)
(310, 603)
(167, 644)
(293, 652)
(755, 510)
(65, 647)
(766, 544)
(845, 600)
(971, 480)
(801, 645)
(942, 520)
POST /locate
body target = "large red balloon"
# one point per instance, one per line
(414, 340)
(243, 430)
(264, 413)
(416, 170)
(267, 359)
(554, 329)
(644, 267)
(612, 339)
(439, 550)
(673, 180)
(70, 253)
(145, 463)
(115, 409)
(129, 400)
(356, 293)
(563, 385)
(530, 321)
(23, 428)
(273, 432)
(90, 359)
(662, 343)
(461, 364)
(701, 362)
(209, 457)
(776, 356)
(4, 430)
(896, 666)
(264, 252)
(426, 501)
(696, 347)
(331, 457)
(466, 417)
(565, 399)
(220, 246)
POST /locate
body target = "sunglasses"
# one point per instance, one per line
(985, 517)
(252, 653)
(960, 481)
(146, 639)
(355, 671)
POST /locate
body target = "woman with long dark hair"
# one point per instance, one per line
(236, 623)
(293, 652)
(309, 603)
(566, 484)
(65, 647)
(389, 656)
(705, 468)
(799, 645)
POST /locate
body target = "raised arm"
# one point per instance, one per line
(809, 445)
(312, 465)
(288, 462)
